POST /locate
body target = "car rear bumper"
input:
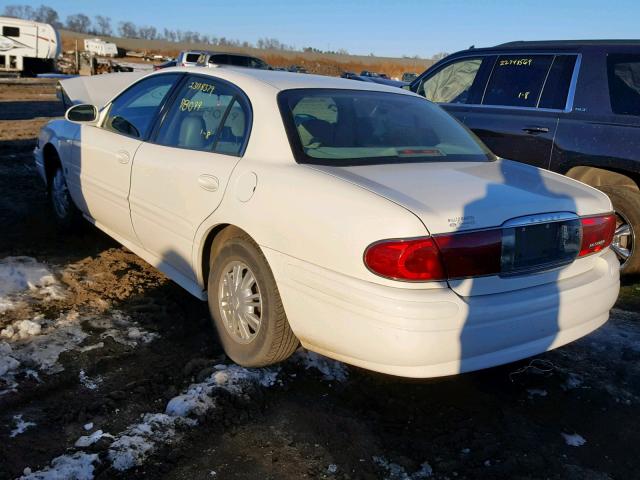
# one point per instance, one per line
(433, 332)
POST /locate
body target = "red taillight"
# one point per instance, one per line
(412, 260)
(471, 254)
(597, 233)
(474, 254)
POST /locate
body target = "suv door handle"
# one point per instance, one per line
(535, 130)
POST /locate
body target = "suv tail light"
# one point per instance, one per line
(597, 233)
(484, 252)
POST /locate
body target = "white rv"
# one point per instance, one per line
(100, 47)
(27, 47)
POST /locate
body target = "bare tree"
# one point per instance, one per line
(78, 23)
(103, 25)
(128, 30)
(439, 56)
(48, 15)
(19, 11)
(147, 32)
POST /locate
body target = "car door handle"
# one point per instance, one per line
(208, 182)
(535, 130)
(123, 157)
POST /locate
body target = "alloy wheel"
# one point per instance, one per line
(240, 302)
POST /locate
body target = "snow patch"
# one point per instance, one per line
(536, 392)
(19, 274)
(78, 466)
(88, 382)
(573, 439)
(86, 440)
(199, 397)
(122, 329)
(21, 425)
(37, 344)
(137, 442)
(397, 472)
(331, 370)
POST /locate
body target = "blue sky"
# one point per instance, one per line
(387, 28)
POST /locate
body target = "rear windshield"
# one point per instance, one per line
(192, 57)
(354, 127)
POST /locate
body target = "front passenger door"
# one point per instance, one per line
(180, 176)
(100, 171)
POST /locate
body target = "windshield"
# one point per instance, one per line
(353, 127)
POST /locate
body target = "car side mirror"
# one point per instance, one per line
(406, 87)
(82, 113)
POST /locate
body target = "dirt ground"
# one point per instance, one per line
(131, 342)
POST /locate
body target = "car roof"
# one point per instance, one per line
(282, 80)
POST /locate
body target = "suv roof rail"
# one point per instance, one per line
(552, 43)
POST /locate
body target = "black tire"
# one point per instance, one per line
(65, 212)
(274, 340)
(626, 203)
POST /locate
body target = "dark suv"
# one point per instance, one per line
(572, 107)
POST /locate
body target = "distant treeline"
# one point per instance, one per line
(102, 25)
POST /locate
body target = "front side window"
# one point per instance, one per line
(624, 83)
(453, 83)
(517, 80)
(353, 127)
(134, 111)
(206, 115)
(10, 31)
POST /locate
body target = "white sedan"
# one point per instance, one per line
(358, 220)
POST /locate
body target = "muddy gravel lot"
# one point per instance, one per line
(110, 370)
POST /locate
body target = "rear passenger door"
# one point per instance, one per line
(518, 112)
(180, 175)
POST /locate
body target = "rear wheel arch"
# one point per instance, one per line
(603, 177)
(213, 243)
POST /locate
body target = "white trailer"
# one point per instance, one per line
(27, 47)
(100, 47)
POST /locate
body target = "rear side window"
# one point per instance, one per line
(517, 80)
(624, 83)
(206, 115)
(10, 31)
(453, 83)
(556, 88)
(134, 111)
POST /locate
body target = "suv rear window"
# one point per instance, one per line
(353, 127)
(624, 83)
(192, 57)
